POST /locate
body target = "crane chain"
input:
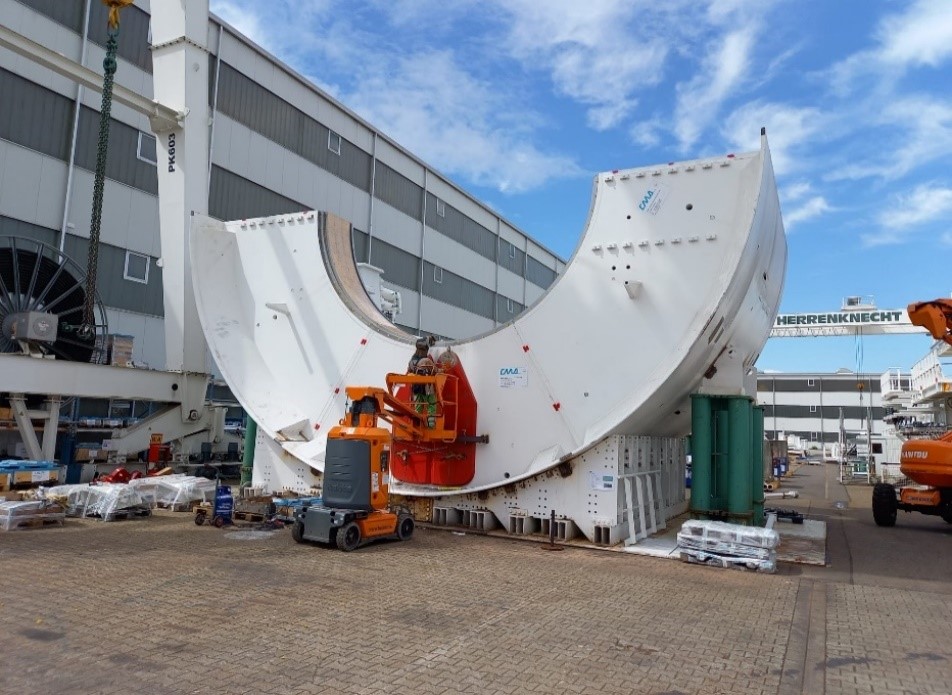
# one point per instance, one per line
(88, 329)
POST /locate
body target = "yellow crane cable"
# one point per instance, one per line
(114, 7)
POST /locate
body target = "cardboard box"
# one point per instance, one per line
(34, 477)
(119, 349)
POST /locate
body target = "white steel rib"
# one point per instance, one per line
(672, 290)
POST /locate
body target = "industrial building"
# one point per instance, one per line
(810, 405)
(278, 144)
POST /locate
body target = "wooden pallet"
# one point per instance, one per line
(249, 516)
(34, 522)
(123, 514)
(189, 506)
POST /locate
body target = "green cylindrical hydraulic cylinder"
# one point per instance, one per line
(248, 459)
(701, 464)
(739, 495)
(721, 457)
(757, 478)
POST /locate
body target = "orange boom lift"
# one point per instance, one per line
(928, 462)
(356, 505)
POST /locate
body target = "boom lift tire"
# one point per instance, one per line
(348, 537)
(297, 532)
(405, 527)
(885, 504)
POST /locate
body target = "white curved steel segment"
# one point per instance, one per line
(678, 274)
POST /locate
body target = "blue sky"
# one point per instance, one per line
(521, 102)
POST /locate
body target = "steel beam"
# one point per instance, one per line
(25, 425)
(162, 118)
(23, 374)
(169, 424)
(50, 426)
(817, 331)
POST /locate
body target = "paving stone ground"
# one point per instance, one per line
(162, 606)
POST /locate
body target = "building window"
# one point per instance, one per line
(146, 148)
(512, 251)
(814, 436)
(510, 306)
(437, 275)
(809, 382)
(440, 208)
(333, 142)
(137, 267)
(812, 408)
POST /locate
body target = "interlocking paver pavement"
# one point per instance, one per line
(162, 606)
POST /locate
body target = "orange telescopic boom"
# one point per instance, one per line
(935, 316)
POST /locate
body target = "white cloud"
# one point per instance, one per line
(243, 19)
(431, 106)
(608, 116)
(646, 133)
(922, 36)
(909, 133)
(924, 203)
(430, 101)
(796, 191)
(789, 130)
(700, 99)
(590, 50)
(812, 208)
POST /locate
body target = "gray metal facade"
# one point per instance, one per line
(399, 201)
(810, 405)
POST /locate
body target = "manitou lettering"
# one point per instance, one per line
(171, 152)
(915, 454)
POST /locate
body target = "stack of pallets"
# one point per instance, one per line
(30, 514)
(729, 545)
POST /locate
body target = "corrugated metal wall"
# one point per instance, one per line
(399, 192)
(455, 290)
(40, 119)
(539, 274)
(460, 228)
(34, 117)
(507, 309)
(114, 290)
(827, 412)
(252, 105)
(69, 13)
(399, 267)
(359, 240)
(133, 32)
(12, 227)
(512, 258)
(232, 197)
(122, 162)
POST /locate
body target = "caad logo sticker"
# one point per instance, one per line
(652, 199)
(513, 377)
